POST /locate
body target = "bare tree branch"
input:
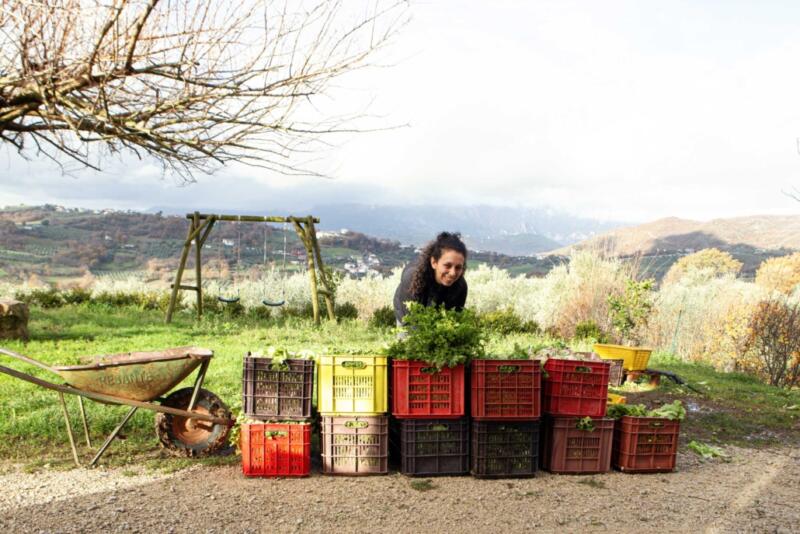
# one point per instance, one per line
(192, 83)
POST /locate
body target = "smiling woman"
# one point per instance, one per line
(435, 277)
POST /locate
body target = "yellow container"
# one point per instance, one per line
(613, 398)
(352, 385)
(634, 358)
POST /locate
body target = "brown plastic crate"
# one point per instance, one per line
(355, 445)
(645, 444)
(616, 373)
(567, 449)
(284, 394)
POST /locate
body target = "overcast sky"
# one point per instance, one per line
(621, 110)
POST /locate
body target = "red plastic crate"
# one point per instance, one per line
(568, 449)
(645, 444)
(575, 387)
(506, 390)
(276, 450)
(419, 391)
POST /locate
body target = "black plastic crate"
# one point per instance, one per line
(429, 447)
(280, 392)
(505, 449)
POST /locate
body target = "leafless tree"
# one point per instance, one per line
(192, 83)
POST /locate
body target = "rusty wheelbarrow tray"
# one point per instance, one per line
(189, 422)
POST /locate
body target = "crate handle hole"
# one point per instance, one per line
(354, 364)
(356, 424)
(508, 369)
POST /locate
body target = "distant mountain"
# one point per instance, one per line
(765, 232)
(514, 231)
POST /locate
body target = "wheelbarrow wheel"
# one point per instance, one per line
(184, 436)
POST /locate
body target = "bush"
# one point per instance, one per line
(259, 313)
(631, 311)
(46, 298)
(77, 295)
(345, 310)
(506, 322)
(780, 274)
(116, 299)
(383, 318)
(714, 261)
(774, 340)
(590, 330)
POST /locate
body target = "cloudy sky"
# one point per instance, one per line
(621, 110)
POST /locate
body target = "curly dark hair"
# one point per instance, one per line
(423, 275)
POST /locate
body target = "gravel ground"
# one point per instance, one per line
(757, 491)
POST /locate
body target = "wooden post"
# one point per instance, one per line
(312, 275)
(323, 276)
(173, 298)
(198, 266)
(199, 243)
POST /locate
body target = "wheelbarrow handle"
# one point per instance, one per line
(26, 359)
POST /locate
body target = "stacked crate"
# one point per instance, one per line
(577, 437)
(429, 430)
(278, 396)
(353, 400)
(505, 407)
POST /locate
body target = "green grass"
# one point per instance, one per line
(729, 407)
(732, 408)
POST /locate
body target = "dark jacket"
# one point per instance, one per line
(453, 297)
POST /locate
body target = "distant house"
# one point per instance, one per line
(228, 242)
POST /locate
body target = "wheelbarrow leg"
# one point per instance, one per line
(198, 383)
(85, 424)
(69, 429)
(113, 435)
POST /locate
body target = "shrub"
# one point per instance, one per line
(46, 298)
(780, 274)
(590, 330)
(774, 340)
(345, 310)
(259, 313)
(506, 322)
(116, 299)
(383, 318)
(712, 260)
(77, 295)
(631, 310)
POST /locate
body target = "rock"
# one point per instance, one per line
(14, 317)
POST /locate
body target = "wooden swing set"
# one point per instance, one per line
(200, 225)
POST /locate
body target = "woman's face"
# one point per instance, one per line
(449, 268)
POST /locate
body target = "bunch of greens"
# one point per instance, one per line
(585, 424)
(707, 451)
(279, 355)
(674, 411)
(440, 337)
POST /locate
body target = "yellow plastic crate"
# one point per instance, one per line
(634, 358)
(613, 398)
(352, 385)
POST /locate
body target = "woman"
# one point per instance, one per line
(436, 277)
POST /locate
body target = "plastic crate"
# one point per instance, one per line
(356, 445)
(575, 387)
(419, 391)
(645, 444)
(568, 449)
(430, 447)
(276, 450)
(352, 385)
(508, 390)
(505, 449)
(274, 393)
(634, 358)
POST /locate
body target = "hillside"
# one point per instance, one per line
(751, 240)
(56, 243)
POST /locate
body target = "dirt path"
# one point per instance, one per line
(757, 491)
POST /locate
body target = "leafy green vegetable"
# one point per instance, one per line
(585, 424)
(440, 337)
(673, 411)
(706, 451)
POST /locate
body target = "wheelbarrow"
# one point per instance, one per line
(189, 422)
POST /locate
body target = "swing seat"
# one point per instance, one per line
(228, 300)
(266, 302)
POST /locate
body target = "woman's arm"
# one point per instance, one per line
(403, 292)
